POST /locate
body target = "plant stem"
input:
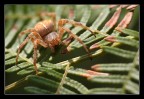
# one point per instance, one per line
(80, 58)
(63, 79)
(15, 84)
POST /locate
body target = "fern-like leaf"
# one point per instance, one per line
(114, 68)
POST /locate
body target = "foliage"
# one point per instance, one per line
(114, 68)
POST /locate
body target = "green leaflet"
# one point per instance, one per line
(29, 46)
(132, 75)
(111, 79)
(105, 91)
(8, 56)
(8, 26)
(47, 83)
(66, 91)
(102, 16)
(26, 71)
(100, 19)
(50, 65)
(20, 66)
(132, 87)
(119, 52)
(12, 61)
(83, 20)
(135, 74)
(131, 32)
(51, 72)
(114, 67)
(36, 90)
(12, 33)
(128, 41)
(70, 82)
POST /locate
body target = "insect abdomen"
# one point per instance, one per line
(44, 27)
(52, 38)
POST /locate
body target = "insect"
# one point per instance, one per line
(44, 34)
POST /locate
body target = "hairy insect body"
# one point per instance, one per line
(44, 27)
(52, 39)
(44, 34)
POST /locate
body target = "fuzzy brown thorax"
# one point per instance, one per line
(44, 27)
